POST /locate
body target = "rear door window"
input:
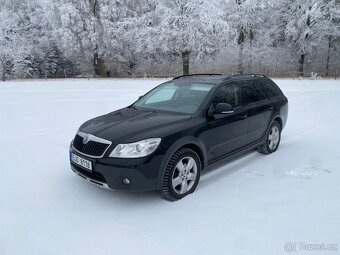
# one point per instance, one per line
(252, 92)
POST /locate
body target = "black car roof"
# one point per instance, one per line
(216, 78)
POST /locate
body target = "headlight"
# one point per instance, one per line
(137, 149)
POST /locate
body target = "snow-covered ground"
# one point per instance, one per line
(254, 204)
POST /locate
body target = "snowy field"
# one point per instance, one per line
(254, 204)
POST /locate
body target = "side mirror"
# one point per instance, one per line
(223, 108)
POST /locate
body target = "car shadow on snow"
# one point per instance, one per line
(225, 167)
(210, 175)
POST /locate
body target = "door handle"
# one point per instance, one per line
(270, 108)
(243, 116)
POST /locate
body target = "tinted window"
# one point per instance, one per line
(229, 94)
(252, 92)
(270, 88)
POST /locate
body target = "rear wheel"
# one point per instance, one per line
(272, 140)
(182, 174)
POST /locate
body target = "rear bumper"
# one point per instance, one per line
(110, 172)
(284, 114)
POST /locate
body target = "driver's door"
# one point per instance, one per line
(227, 132)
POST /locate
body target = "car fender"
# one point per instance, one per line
(274, 116)
(173, 148)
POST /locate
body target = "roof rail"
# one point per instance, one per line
(198, 74)
(246, 74)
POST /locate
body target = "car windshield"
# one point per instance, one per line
(175, 97)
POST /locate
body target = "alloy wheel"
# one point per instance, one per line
(184, 175)
(274, 137)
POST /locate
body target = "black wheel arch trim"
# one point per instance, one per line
(274, 118)
(188, 140)
(270, 123)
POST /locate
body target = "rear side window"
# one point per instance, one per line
(252, 92)
(270, 88)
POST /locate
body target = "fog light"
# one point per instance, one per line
(126, 181)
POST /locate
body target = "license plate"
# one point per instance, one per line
(81, 162)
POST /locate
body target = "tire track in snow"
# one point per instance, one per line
(307, 132)
(222, 169)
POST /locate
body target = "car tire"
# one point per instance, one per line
(272, 140)
(182, 174)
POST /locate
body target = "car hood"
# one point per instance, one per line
(125, 123)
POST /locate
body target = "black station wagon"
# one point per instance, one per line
(168, 136)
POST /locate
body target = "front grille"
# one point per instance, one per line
(91, 148)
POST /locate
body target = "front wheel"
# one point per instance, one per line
(182, 174)
(272, 140)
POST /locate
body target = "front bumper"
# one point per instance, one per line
(110, 172)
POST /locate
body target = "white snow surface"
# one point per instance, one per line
(253, 204)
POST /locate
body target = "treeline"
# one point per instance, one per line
(66, 38)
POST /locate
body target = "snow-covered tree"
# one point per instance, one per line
(245, 18)
(76, 26)
(301, 28)
(8, 38)
(119, 20)
(328, 27)
(27, 47)
(161, 37)
(185, 27)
